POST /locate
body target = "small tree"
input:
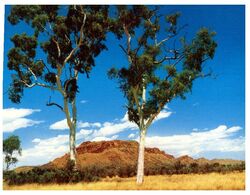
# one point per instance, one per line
(156, 73)
(11, 145)
(71, 37)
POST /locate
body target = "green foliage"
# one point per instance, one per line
(70, 40)
(10, 145)
(147, 56)
(43, 176)
(94, 173)
(179, 168)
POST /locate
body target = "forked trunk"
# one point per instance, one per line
(140, 162)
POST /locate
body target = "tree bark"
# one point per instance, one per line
(140, 162)
(72, 146)
(72, 132)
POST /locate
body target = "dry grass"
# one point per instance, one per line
(212, 181)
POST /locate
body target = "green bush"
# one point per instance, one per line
(94, 173)
(43, 176)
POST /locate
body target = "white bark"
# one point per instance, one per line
(73, 133)
(72, 146)
(140, 162)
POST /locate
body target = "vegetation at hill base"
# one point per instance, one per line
(95, 173)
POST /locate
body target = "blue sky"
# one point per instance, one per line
(209, 123)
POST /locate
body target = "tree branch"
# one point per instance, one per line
(123, 49)
(55, 104)
(164, 40)
(27, 85)
(164, 59)
(80, 40)
(128, 42)
(171, 36)
(58, 47)
(179, 59)
(38, 84)
(32, 73)
(152, 117)
(134, 91)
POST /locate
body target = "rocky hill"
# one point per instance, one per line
(120, 153)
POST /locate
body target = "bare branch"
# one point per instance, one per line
(27, 85)
(164, 40)
(152, 117)
(202, 75)
(138, 49)
(38, 84)
(47, 86)
(32, 73)
(123, 49)
(80, 40)
(179, 59)
(50, 26)
(128, 42)
(67, 38)
(164, 59)
(171, 36)
(55, 104)
(45, 29)
(58, 47)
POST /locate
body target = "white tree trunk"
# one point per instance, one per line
(72, 146)
(140, 162)
(72, 131)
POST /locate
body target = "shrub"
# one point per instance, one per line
(38, 175)
(94, 173)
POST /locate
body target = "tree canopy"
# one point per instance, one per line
(179, 67)
(71, 40)
(11, 145)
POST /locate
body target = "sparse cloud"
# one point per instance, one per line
(59, 125)
(195, 129)
(14, 118)
(219, 139)
(45, 150)
(36, 140)
(105, 138)
(108, 128)
(87, 124)
(165, 113)
(83, 101)
(131, 135)
(196, 104)
(83, 134)
(62, 125)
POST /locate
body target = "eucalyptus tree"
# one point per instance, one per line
(11, 145)
(70, 37)
(158, 70)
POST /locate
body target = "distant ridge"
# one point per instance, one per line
(123, 153)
